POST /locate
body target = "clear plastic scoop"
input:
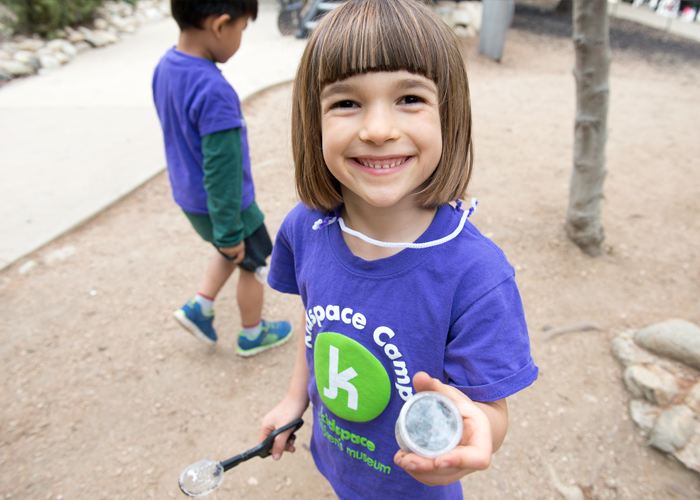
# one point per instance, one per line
(205, 476)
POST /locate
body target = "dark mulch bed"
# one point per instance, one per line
(654, 45)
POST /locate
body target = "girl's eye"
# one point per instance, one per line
(411, 99)
(343, 104)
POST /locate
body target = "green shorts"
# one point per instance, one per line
(258, 246)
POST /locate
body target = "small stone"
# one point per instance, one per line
(690, 454)
(49, 62)
(69, 50)
(677, 339)
(26, 267)
(95, 38)
(627, 352)
(673, 429)
(153, 14)
(252, 481)
(654, 384)
(5, 55)
(75, 36)
(23, 56)
(60, 255)
(30, 44)
(5, 76)
(16, 68)
(644, 414)
(61, 57)
(100, 24)
(692, 400)
(81, 47)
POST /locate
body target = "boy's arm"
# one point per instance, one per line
(485, 427)
(223, 182)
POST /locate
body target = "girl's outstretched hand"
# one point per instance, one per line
(285, 412)
(485, 425)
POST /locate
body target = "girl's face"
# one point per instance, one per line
(381, 134)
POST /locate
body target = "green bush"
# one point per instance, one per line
(46, 16)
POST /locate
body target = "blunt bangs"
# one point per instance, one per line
(364, 36)
(378, 36)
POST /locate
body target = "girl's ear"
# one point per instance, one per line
(218, 24)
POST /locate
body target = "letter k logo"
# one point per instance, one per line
(340, 380)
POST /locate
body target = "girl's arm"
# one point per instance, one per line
(485, 427)
(292, 405)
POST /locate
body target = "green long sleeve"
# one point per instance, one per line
(223, 182)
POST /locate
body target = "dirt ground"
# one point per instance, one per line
(103, 395)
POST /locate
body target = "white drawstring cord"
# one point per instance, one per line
(330, 220)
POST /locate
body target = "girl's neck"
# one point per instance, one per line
(402, 222)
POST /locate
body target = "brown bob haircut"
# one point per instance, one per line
(363, 36)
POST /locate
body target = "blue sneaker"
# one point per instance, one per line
(271, 335)
(191, 317)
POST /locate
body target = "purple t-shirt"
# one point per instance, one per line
(453, 311)
(193, 99)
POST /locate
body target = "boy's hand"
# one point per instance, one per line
(474, 451)
(236, 253)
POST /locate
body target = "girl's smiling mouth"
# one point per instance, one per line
(378, 163)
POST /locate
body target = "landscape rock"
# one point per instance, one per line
(81, 47)
(100, 24)
(49, 62)
(5, 55)
(75, 36)
(673, 429)
(644, 414)
(16, 68)
(653, 383)
(628, 353)
(690, 454)
(26, 267)
(5, 76)
(677, 339)
(30, 44)
(98, 38)
(23, 56)
(692, 400)
(61, 57)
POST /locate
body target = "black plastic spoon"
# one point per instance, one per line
(205, 476)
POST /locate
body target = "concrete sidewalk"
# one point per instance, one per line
(644, 15)
(77, 140)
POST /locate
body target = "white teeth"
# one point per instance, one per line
(369, 165)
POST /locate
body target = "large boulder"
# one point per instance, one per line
(676, 339)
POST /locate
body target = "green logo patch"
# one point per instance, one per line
(352, 383)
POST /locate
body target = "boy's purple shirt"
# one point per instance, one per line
(193, 99)
(452, 310)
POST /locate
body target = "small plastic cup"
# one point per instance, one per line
(429, 425)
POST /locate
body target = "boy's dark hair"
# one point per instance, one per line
(191, 13)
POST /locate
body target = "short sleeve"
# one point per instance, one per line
(282, 275)
(216, 109)
(487, 355)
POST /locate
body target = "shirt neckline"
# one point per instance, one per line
(401, 262)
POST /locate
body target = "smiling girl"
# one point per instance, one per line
(397, 285)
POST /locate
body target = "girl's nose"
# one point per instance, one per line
(379, 125)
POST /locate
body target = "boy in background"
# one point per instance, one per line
(206, 148)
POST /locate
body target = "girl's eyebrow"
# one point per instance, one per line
(335, 89)
(413, 83)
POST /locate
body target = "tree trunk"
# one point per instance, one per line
(591, 42)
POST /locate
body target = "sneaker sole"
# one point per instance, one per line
(188, 325)
(258, 350)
